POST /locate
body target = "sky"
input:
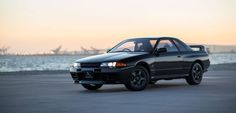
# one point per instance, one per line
(35, 26)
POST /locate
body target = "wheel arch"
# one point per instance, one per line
(145, 65)
(200, 62)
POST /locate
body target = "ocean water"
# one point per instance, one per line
(62, 62)
(36, 63)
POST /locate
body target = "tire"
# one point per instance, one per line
(92, 86)
(138, 79)
(195, 74)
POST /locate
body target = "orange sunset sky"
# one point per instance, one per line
(34, 26)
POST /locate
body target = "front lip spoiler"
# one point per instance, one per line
(90, 82)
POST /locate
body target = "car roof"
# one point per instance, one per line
(154, 38)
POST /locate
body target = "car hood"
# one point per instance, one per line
(109, 57)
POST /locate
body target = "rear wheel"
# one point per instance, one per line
(92, 86)
(195, 74)
(138, 79)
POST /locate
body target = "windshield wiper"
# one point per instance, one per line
(120, 51)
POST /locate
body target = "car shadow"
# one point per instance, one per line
(151, 87)
(106, 90)
(166, 86)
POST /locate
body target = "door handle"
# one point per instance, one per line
(178, 56)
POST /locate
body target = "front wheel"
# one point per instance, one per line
(138, 79)
(195, 74)
(92, 86)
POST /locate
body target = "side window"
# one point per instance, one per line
(153, 42)
(180, 45)
(168, 45)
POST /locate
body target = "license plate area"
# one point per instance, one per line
(89, 75)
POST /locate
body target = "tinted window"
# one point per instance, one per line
(180, 45)
(153, 43)
(128, 46)
(135, 45)
(168, 45)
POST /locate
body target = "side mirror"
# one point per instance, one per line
(160, 50)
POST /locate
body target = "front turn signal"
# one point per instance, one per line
(120, 64)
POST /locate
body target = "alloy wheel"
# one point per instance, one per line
(197, 73)
(138, 78)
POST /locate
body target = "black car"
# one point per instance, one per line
(138, 62)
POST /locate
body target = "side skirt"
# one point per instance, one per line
(169, 77)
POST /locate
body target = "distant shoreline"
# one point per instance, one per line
(85, 55)
(50, 55)
(35, 72)
(213, 67)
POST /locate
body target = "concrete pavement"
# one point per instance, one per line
(55, 93)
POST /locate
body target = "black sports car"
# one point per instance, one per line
(141, 61)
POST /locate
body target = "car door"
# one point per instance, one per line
(167, 64)
(184, 52)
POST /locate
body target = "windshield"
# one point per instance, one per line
(135, 45)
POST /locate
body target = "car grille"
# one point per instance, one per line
(90, 65)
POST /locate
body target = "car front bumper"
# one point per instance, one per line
(100, 75)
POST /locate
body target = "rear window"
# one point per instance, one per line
(179, 45)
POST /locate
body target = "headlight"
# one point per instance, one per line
(76, 65)
(113, 64)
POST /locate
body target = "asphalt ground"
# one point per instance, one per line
(56, 93)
